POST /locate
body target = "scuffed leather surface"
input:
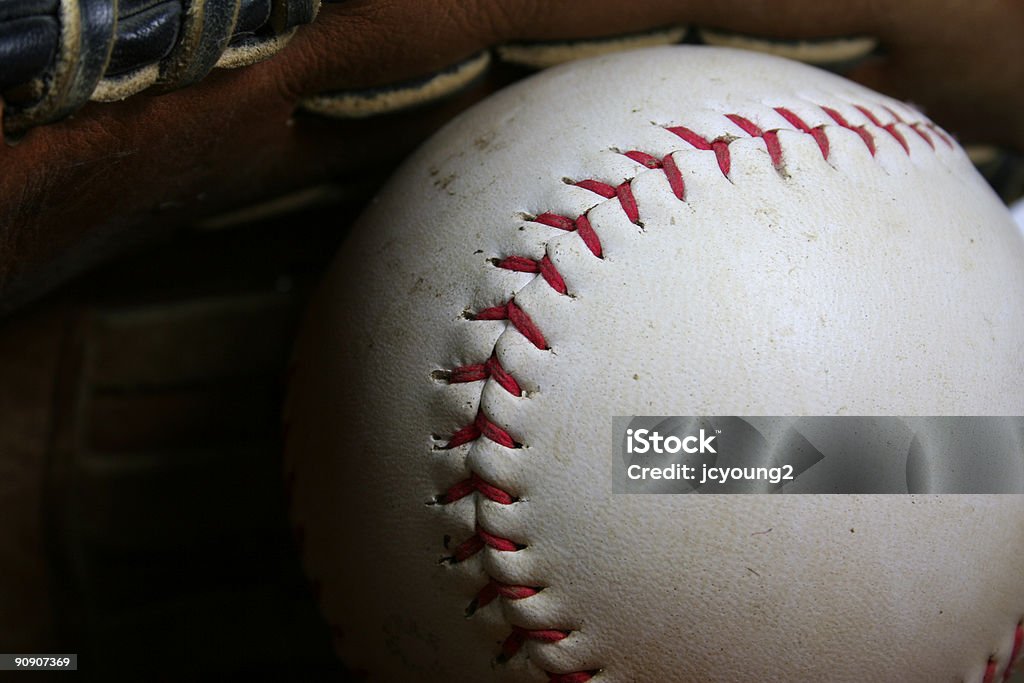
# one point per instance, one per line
(863, 285)
(144, 36)
(146, 31)
(253, 14)
(25, 43)
(206, 30)
(59, 53)
(85, 38)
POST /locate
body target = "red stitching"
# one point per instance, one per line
(623, 191)
(1018, 644)
(596, 186)
(695, 139)
(581, 226)
(719, 146)
(938, 132)
(889, 128)
(515, 640)
(859, 130)
(495, 589)
(468, 548)
(483, 427)
(551, 275)
(675, 177)
(480, 540)
(586, 232)
(817, 133)
(667, 165)
(544, 266)
(476, 484)
(990, 671)
(643, 158)
(916, 127)
(628, 202)
(498, 543)
(913, 126)
(557, 221)
(482, 371)
(511, 312)
(771, 138)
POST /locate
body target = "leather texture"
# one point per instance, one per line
(144, 37)
(835, 54)
(82, 52)
(26, 42)
(69, 51)
(817, 274)
(206, 30)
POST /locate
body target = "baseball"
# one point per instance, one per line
(670, 231)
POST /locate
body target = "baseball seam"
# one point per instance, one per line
(519, 320)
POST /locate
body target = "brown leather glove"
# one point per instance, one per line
(75, 191)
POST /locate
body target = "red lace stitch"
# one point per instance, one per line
(589, 237)
(468, 548)
(477, 484)
(675, 177)
(913, 126)
(623, 191)
(457, 491)
(719, 147)
(628, 202)
(491, 369)
(551, 275)
(520, 320)
(771, 138)
(890, 128)
(581, 225)
(596, 186)
(498, 543)
(544, 266)
(481, 426)
(556, 221)
(817, 133)
(495, 589)
(643, 158)
(990, 671)
(520, 635)
(667, 165)
(468, 373)
(520, 264)
(938, 132)
(916, 127)
(481, 539)
(859, 130)
(1018, 644)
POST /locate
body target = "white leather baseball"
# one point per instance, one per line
(787, 243)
